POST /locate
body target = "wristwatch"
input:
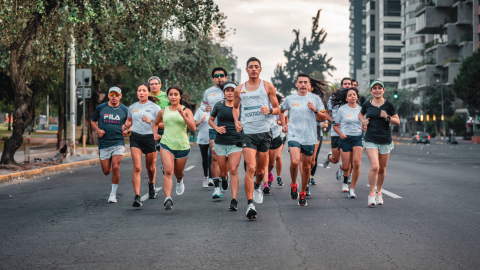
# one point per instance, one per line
(388, 117)
(271, 110)
(316, 111)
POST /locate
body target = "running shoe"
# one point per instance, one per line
(152, 193)
(270, 177)
(293, 191)
(163, 172)
(344, 187)
(168, 203)
(307, 191)
(112, 199)
(233, 205)
(270, 185)
(205, 182)
(136, 201)
(217, 194)
(351, 194)
(312, 181)
(303, 200)
(258, 195)
(210, 182)
(266, 189)
(279, 181)
(180, 188)
(349, 179)
(224, 184)
(378, 198)
(251, 212)
(339, 173)
(371, 199)
(326, 160)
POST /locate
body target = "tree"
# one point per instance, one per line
(303, 57)
(466, 85)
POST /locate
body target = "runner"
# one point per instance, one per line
(201, 121)
(350, 131)
(304, 110)
(278, 158)
(334, 155)
(111, 143)
(211, 96)
(174, 146)
(227, 145)
(376, 115)
(256, 96)
(354, 83)
(140, 118)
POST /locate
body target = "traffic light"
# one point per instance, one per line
(395, 95)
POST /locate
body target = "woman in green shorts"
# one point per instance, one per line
(174, 145)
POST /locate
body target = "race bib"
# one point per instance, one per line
(253, 114)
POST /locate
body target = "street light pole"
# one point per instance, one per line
(443, 116)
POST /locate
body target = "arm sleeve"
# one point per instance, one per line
(96, 114)
(196, 117)
(329, 104)
(391, 110)
(129, 112)
(285, 105)
(215, 110)
(364, 108)
(338, 117)
(319, 104)
(204, 104)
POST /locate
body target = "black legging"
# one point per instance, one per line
(314, 168)
(204, 151)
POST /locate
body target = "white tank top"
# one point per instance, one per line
(252, 119)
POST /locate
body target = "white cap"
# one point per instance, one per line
(115, 89)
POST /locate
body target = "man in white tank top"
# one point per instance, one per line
(256, 96)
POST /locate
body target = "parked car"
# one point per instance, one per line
(421, 137)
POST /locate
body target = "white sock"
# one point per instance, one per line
(114, 189)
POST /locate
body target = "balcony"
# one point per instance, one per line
(432, 43)
(429, 20)
(424, 63)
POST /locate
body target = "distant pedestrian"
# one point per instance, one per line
(201, 121)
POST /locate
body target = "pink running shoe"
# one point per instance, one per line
(266, 189)
(270, 177)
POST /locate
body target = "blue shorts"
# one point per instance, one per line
(178, 154)
(212, 134)
(348, 143)
(307, 150)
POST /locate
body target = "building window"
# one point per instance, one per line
(372, 66)
(392, 8)
(414, 54)
(412, 80)
(394, 49)
(392, 61)
(396, 25)
(372, 44)
(372, 4)
(390, 84)
(392, 37)
(415, 40)
(410, 15)
(411, 28)
(391, 72)
(372, 22)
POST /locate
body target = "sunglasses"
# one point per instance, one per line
(113, 94)
(220, 75)
(153, 84)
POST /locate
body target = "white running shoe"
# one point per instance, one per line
(371, 199)
(205, 182)
(258, 195)
(378, 198)
(217, 194)
(112, 199)
(344, 187)
(349, 179)
(326, 160)
(180, 188)
(251, 212)
(210, 182)
(339, 173)
(351, 194)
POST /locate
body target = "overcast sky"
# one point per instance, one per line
(264, 30)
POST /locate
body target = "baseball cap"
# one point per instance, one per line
(229, 84)
(376, 82)
(115, 89)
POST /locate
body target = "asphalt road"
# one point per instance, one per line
(65, 222)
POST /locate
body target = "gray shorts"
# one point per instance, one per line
(107, 153)
(382, 148)
(225, 150)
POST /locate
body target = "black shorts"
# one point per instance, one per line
(146, 142)
(319, 133)
(307, 150)
(334, 140)
(260, 142)
(276, 143)
(212, 134)
(348, 143)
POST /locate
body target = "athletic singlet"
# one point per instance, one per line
(251, 117)
(175, 136)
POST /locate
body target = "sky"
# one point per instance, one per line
(263, 28)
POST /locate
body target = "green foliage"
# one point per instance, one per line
(466, 85)
(434, 103)
(458, 123)
(303, 57)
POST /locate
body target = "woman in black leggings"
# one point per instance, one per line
(201, 121)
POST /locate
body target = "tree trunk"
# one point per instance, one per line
(31, 110)
(9, 121)
(60, 121)
(93, 102)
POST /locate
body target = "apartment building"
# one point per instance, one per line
(357, 37)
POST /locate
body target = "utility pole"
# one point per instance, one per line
(65, 98)
(443, 117)
(73, 99)
(48, 112)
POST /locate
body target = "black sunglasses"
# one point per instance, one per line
(219, 75)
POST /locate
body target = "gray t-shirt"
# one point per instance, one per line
(211, 96)
(137, 111)
(347, 117)
(203, 128)
(302, 127)
(334, 110)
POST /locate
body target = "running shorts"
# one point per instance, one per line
(107, 153)
(225, 150)
(382, 148)
(212, 134)
(319, 133)
(177, 154)
(349, 142)
(260, 141)
(307, 150)
(276, 143)
(334, 140)
(144, 142)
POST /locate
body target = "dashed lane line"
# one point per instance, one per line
(393, 195)
(189, 168)
(144, 197)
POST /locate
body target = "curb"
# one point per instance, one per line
(52, 169)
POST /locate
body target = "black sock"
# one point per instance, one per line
(249, 201)
(137, 196)
(256, 186)
(216, 181)
(345, 179)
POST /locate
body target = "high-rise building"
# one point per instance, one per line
(357, 37)
(370, 71)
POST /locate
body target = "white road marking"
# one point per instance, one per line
(189, 168)
(393, 195)
(476, 167)
(144, 197)
(328, 167)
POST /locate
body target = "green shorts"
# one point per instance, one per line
(225, 150)
(382, 148)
